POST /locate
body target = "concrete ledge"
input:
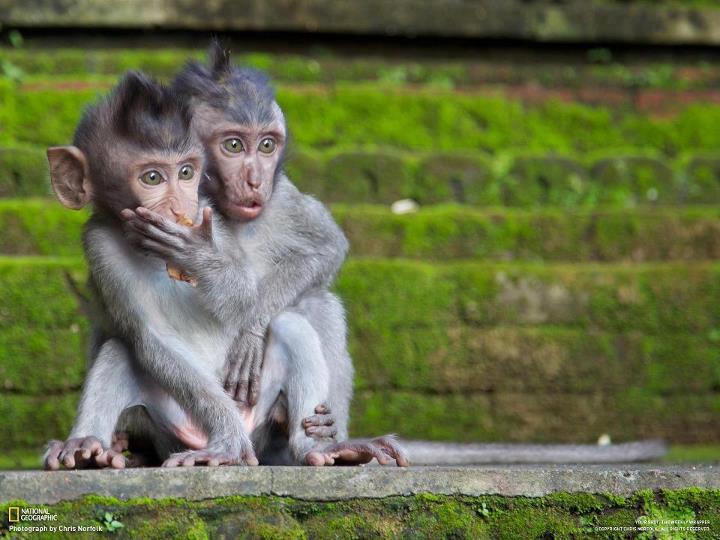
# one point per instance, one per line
(579, 20)
(39, 487)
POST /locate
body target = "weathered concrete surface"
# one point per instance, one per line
(41, 487)
(574, 21)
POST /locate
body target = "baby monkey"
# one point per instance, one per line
(272, 275)
(159, 346)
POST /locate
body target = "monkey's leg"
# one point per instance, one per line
(296, 355)
(325, 314)
(110, 387)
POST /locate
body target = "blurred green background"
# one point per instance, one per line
(559, 281)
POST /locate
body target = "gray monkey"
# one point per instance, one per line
(156, 345)
(290, 352)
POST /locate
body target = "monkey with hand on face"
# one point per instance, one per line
(155, 345)
(290, 351)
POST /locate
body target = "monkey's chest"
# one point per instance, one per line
(181, 316)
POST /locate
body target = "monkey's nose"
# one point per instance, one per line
(253, 180)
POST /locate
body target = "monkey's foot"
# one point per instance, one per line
(210, 458)
(82, 453)
(359, 452)
(321, 425)
(120, 441)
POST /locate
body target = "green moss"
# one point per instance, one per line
(377, 177)
(350, 115)
(23, 172)
(633, 180)
(324, 67)
(419, 516)
(694, 453)
(461, 178)
(29, 422)
(545, 181)
(44, 227)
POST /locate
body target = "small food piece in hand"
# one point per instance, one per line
(173, 271)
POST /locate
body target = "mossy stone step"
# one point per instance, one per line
(681, 22)
(652, 298)
(598, 75)
(503, 502)
(627, 179)
(440, 360)
(346, 116)
(446, 351)
(442, 233)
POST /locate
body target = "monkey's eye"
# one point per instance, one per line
(234, 145)
(267, 145)
(151, 178)
(186, 172)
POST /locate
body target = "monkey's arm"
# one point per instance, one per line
(227, 283)
(159, 355)
(309, 256)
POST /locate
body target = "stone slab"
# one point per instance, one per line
(325, 484)
(575, 21)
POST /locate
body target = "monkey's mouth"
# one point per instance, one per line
(247, 209)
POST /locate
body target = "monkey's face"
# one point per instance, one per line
(244, 161)
(167, 182)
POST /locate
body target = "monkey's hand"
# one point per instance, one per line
(358, 452)
(82, 453)
(321, 425)
(243, 365)
(184, 247)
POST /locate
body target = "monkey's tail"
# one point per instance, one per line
(446, 453)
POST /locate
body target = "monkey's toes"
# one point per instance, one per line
(383, 449)
(76, 453)
(111, 459)
(51, 460)
(207, 458)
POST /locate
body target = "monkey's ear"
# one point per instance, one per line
(69, 176)
(219, 58)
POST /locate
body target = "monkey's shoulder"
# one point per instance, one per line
(299, 214)
(108, 251)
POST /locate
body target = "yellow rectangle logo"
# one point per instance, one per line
(14, 514)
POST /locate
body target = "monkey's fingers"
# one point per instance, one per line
(209, 458)
(90, 446)
(76, 453)
(319, 420)
(359, 454)
(392, 448)
(319, 459)
(253, 393)
(146, 230)
(120, 441)
(322, 409)
(52, 455)
(111, 458)
(321, 432)
(243, 384)
(348, 453)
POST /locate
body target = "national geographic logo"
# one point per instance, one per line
(40, 520)
(20, 514)
(14, 514)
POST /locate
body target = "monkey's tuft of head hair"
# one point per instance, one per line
(139, 114)
(241, 92)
